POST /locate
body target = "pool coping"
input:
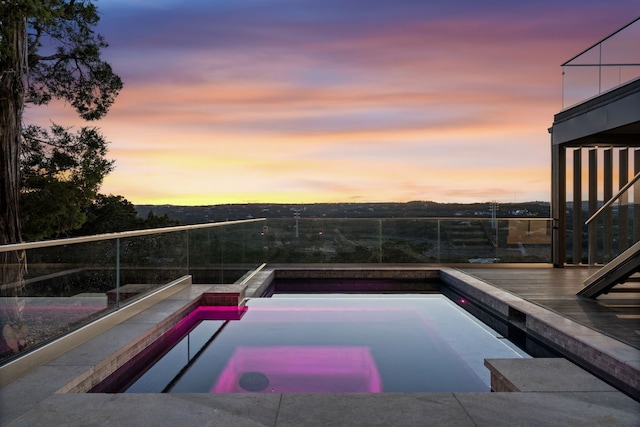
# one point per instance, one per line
(612, 360)
(75, 369)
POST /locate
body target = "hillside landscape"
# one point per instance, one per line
(415, 209)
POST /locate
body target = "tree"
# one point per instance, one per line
(61, 175)
(109, 214)
(154, 221)
(48, 50)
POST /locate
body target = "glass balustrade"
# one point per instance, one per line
(406, 240)
(54, 287)
(613, 61)
(68, 283)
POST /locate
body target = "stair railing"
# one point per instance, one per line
(591, 222)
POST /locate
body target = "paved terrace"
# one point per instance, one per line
(531, 392)
(616, 314)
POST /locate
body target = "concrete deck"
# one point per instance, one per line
(550, 393)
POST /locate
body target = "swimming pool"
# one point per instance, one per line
(328, 343)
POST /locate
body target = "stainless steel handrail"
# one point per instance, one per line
(613, 199)
(592, 57)
(119, 235)
(567, 62)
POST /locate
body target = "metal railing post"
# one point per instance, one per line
(117, 273)
(592, 237)
(380, 241)
(438, 241)
(188, 253)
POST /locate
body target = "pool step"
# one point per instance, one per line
(224, 295)
(541, 375)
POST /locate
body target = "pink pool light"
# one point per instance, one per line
(300, 369)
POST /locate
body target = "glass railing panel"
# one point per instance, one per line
(149, 262)
(468, 241)
(225, 254)
(524, 240)
(404, 240)
(346, 241)
(291, 240)
(319, 240)
(350, 241)
(68, 283)
(206, 255)
(495, 240)
(64, 287)
(612, 62)
(410, 241)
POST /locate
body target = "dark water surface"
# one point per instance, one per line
(332, 343)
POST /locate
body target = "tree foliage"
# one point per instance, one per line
(61, 176)
(64, 59)
(48, 49)
(109, 214)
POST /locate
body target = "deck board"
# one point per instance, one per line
(616, 314)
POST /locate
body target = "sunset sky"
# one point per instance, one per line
(301, 101)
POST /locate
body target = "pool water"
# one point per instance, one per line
(301, 343)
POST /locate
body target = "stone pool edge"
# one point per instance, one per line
(615, 362)
(612, 360)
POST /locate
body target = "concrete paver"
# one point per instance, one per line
(541, 374)
(387, 409)
(153, 410)
(582, 409)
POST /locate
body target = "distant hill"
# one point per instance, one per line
(417, 209)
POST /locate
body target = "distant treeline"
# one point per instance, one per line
(418, 209)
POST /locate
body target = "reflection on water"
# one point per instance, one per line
(333, 343)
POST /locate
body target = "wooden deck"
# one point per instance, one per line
(616, 314)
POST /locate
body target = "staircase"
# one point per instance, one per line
(616, 272)
(621, 268)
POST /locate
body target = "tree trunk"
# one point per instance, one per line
(12, 96)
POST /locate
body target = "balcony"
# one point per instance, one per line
(610, 63)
